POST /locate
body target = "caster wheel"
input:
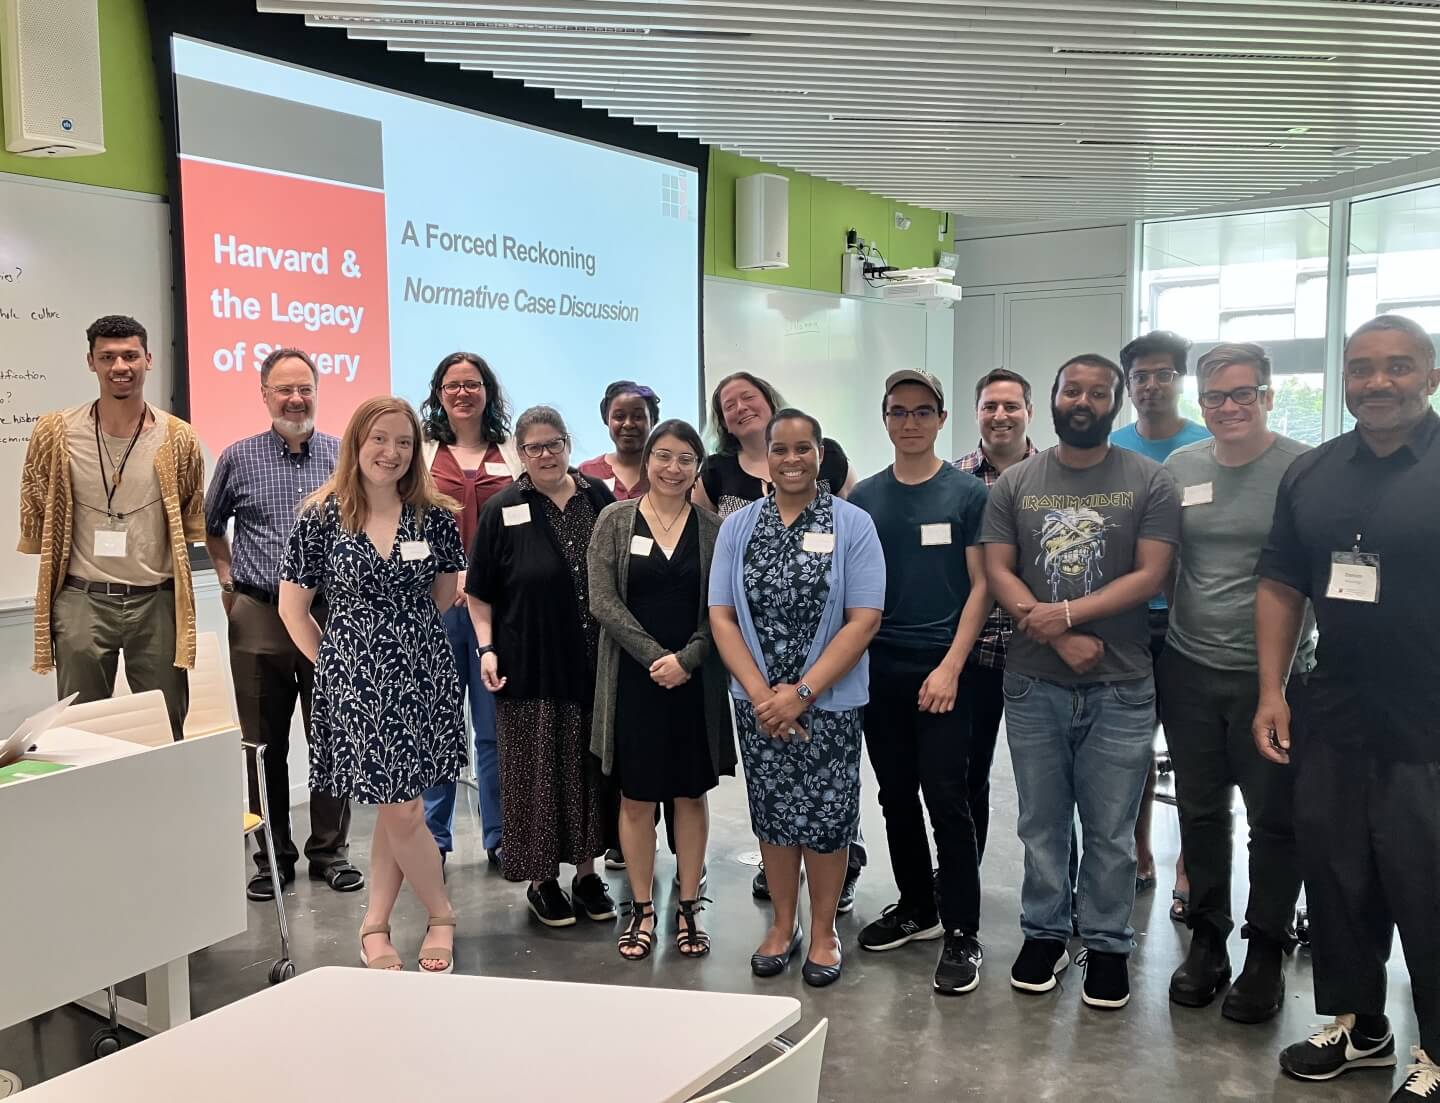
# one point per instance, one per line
(105, 1042)
(282, 970)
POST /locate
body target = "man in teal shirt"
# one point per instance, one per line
(1155, 366)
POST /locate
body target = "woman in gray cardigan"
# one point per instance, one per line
(662, 722)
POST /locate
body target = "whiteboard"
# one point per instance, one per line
(829, 355)
(68, 254)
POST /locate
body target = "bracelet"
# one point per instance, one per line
(484, 649)
(1068, 622)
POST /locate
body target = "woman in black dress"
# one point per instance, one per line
(738, 471)
(530, 604)
(662, 724)
(385, 724)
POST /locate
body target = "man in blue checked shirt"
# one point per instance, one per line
(259, 483)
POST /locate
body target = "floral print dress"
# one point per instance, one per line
(385, 721)
(804, 792)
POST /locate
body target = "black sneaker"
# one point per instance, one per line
(959, 968)
(592, 897)
(1204, 971)
(1107, 979)
(1041, 960)
(704, 876)
(550, 904)
(1422, 1079)
(897, 926)
(847, 891)
(760, 888)
(1338, 1048)
(614, 858)
(261, 887)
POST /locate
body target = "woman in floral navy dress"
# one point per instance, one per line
(385, 723)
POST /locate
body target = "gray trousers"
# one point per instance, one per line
(89, 631)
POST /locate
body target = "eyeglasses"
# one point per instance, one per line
(469, 386)
(539, 448)
(664, 458)
(304, 391)
(921, 414)
(1140, 378)
(1241, 396)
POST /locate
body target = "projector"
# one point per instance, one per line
(926, 286)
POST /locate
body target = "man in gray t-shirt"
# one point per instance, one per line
(1077, 540)
(1209, 688)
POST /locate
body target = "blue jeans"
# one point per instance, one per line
(1088, 746)
(440, 799)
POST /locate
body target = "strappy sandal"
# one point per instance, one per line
(1180, 906)
(634, 935)
(390, 962)
(438, 953)
(690, 940)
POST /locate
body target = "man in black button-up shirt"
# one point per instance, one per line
(1357, 531)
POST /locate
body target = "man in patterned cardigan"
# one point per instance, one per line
(111, 492)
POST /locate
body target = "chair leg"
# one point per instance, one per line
(259, 752)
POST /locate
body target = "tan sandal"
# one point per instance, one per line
(438, 953)
(391, 962)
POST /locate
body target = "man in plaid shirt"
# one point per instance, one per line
(1002, 411)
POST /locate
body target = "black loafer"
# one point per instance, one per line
(340, 876)
(261, 887)
(772, 965)
(818, 976)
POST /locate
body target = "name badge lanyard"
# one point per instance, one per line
(112, 484)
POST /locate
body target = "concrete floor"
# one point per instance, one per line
(890, 1035)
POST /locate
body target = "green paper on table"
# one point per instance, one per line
(26, 769)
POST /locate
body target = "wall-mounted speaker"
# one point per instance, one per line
(50, 77)
(762, 221)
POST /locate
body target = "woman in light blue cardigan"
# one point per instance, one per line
(797, 586)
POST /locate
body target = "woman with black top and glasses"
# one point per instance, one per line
(737, 472)
(471, 457)
(530, 604)
(662, 721)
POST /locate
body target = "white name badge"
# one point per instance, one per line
(515, 515)
(109, 543)
(641, 545)
(1354, 576)
(938, 533)
(1201, 494)
(411, 550)
(500, 469)
(818, 543)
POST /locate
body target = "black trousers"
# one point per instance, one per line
(1369, 834)
(985, 688)
(1208, 716)
(914, 752)
(270, 676)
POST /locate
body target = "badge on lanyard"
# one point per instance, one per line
(1354, 576)
(110, 538)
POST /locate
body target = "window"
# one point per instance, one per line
(1249, 277)
(1394, 262)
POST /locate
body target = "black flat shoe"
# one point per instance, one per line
(772, 965)
(818, 976)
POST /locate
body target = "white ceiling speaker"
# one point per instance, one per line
(762, 221)
(50, 68)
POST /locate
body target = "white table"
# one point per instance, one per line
(120, 866)
(365, 1036)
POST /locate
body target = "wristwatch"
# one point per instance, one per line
(484, 649)
(804, 692)
(228, 587)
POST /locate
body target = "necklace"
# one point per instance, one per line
(661, 518)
